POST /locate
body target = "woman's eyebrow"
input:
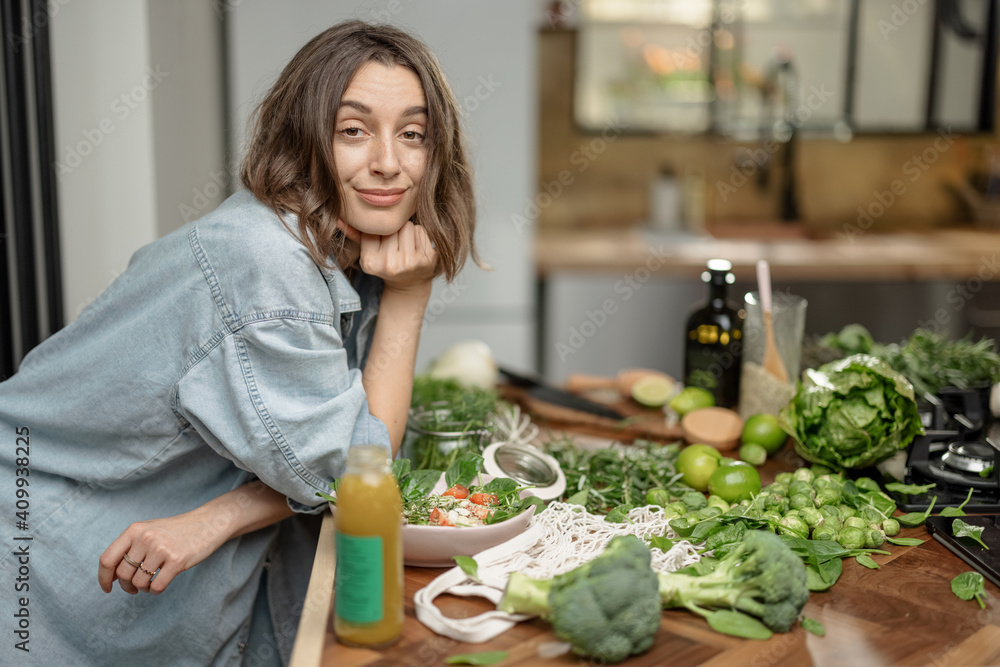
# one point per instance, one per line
(364, 108)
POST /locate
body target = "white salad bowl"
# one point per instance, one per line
(436, 546)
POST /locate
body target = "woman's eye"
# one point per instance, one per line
(351, 131)
(412, 135)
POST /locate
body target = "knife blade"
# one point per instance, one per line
(539, 389)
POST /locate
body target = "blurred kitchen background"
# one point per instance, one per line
(616, 143)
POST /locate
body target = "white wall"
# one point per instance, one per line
(138, 121)
(476, 42)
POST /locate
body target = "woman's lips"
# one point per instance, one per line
(387, 197)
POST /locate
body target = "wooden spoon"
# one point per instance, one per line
(772, 360)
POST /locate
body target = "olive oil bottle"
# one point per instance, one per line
(713, 342)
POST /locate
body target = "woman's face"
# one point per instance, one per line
(379, 148)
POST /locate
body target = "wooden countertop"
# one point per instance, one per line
(937, 255)
(901, 614)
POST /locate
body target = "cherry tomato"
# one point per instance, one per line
(457, 491)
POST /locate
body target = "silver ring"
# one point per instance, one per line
(132, 562)
(151, 574)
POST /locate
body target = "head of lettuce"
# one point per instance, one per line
(852, 413)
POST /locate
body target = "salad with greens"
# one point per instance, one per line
(468, 500)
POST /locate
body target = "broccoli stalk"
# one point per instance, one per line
(761, 576)
(608, 608)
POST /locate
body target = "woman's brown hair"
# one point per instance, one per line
(289, 161)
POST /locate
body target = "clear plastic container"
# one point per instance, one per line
(760, 391)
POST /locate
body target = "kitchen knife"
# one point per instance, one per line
(545, 392)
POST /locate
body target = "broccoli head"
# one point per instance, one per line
(608, 608)
(761, 576)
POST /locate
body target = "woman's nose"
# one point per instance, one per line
(384, 160)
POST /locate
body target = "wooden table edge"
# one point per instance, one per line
(311, 636)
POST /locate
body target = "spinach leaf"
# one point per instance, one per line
(813, 626)
(468, 565)
(914, 519)
(662, 543)
(400, 469)
(904, 541)
(484, 658)
(703, 529)
(961, 529)
(418, 483)
(619, 514)
(821, 576)
(464, 470)
(737, 624)
(867, 561)
(578, 498)
(911, 489)
(957, 511)
(501, 486)
(969, 585)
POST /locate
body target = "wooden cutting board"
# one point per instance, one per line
(639, 422)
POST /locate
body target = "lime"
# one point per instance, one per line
(696, 463)
(763, 430)
(652, 391)
(691, 398)
(753, 454)
(734, 483)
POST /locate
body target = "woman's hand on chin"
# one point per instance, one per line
(405, 260)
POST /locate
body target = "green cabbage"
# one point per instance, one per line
(852, 413)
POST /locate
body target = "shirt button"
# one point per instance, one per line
(242, 646)
(267, 565)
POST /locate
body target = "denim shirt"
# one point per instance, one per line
(223, 353)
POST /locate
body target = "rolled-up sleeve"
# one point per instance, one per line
(278, 399)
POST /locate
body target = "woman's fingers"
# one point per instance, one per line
(112, 564)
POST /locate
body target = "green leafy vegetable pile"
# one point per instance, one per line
(929, 360)
(447, 420)
(616, 479)
(852, 413)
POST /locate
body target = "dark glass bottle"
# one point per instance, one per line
(713, 342)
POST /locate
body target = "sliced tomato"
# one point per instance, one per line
(480, 512)
(484, 498)
(439, 518)
(457, 491)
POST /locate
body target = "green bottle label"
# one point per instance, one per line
(357, 584)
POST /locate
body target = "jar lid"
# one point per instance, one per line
(527, 465)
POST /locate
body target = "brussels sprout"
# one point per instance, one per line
(829, 510)
(804, 475)
(851, 537)
(871, 515)
(798, 487)
(812, 517)
(777, 489)
(828, 496)
(694, 500)
(855, 522)
(821, 485)
(792, 513)
(801, 501)
(670, 513)
(745, 502)
(659, 497)
(866, 484)
(846, 511)
(772, 518)
(753, 454)
(716, 501)
(824, 532)
(783, 478)
(835, 481)
(793, 525)
(890, 527)
(874, 539)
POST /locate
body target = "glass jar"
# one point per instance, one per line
(368, 585)
(433, 440)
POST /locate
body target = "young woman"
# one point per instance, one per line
(216, 386)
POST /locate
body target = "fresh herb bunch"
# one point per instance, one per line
(616, 477)
(929, 360)
(468, 407)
